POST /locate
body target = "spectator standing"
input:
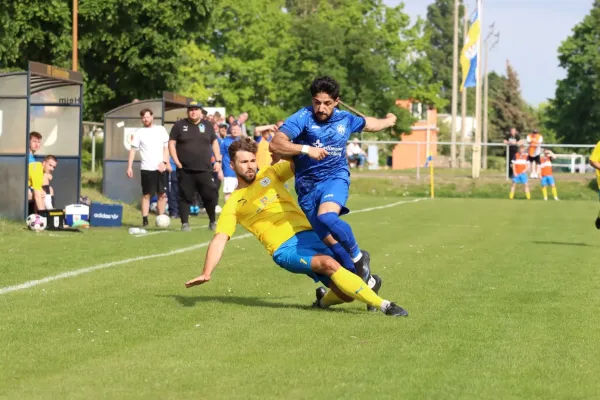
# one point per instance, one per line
(229, 176)
(535, 141)
(512, 140)
(151, 141)
(263, 136)
(192, 143)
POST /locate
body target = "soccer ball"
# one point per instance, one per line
(36, 222)
(163, 221)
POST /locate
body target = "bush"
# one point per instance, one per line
(86, 153)
(497, 163)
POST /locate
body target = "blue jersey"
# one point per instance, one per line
(332, 135)
(227, 170)
(31, 158)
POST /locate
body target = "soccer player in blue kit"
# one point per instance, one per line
(315, 137)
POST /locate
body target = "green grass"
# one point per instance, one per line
(569, 187)
(502, 295)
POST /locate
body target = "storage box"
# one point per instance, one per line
(55, 219)
(106, 214)
(76, 212)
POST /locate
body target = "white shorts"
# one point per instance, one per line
(229, 184)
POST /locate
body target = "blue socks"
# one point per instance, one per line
(341, 231)
(342, 256)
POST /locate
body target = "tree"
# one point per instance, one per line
(509, 108)
(234, 62)
(260, 56)
(439, 31)
(574, 113)
(36, 30)
(128, 48)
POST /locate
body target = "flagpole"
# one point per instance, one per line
(454, 85)
(463, 107)
(74, 44)
(476, 163)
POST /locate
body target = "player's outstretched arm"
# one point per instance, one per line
(376, 124)
(282, 145)
(213, 256)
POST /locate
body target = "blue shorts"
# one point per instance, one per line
(521, 178)
(296, 254)
(547, 180)
(333, 190)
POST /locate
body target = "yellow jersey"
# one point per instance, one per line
(265, 208)
(35, 175)
(596, 157)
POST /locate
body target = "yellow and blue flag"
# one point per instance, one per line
(469, 53)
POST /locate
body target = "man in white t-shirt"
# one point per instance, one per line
(355, 153)
(152, 142)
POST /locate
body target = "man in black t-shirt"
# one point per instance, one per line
(192, 143)
(512, 139)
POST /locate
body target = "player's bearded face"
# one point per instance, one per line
(245, 166)
(323, 106)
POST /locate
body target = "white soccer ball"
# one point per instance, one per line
(36, 222)
(163, 221)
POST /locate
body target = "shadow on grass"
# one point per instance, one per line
(561, 243)
(191, 301)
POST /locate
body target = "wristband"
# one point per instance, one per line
(304, 149)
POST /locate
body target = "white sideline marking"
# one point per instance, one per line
(386, 206)
(71, 274)
(166, 231)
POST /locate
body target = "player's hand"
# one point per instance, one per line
(217, 167)
(197, 281)
(178, 165)
(221, 176)
(130, 173)
(275, 158)
(391, 118)
(161, 167)
(169, 167)
(317, 153)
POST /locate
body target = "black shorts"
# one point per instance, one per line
(201, 182)
(154, 182)
(532, 159)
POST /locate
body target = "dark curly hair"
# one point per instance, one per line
(244, 144)
(325, 84)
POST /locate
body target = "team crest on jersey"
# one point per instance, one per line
(202, 128)
(185, 128)
(317, 143)
(341, 129)
(265, 182)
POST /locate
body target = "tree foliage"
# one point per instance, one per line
(509, 108)
(264, 55)
(439, 31)
(574, 112)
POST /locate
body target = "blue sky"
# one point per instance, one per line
(530, 33)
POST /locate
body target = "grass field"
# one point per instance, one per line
(503, 299)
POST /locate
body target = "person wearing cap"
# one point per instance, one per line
(535, 141)
(192, 143)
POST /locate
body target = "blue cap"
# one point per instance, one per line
(194, 104)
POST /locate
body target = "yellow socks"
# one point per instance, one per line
(511, 195)
(354, 287)
(330, 299)
(528, 195)
(545, 193)
(555, 192)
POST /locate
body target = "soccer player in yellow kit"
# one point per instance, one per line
(263, 206)
(595, 162)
